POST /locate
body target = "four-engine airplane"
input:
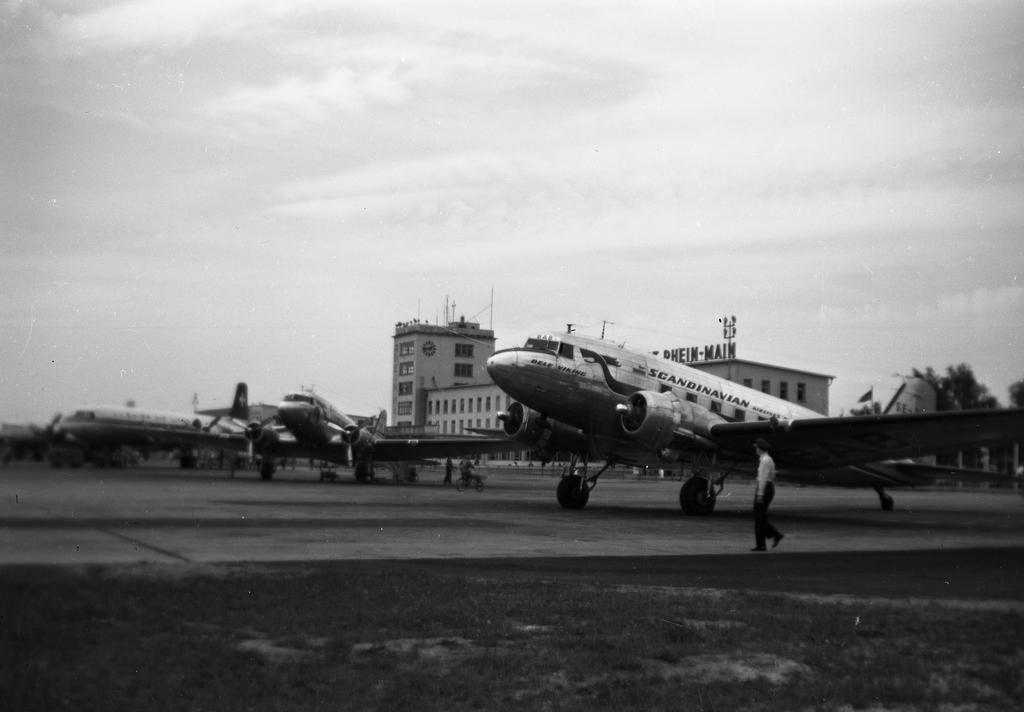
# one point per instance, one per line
(97, 433)
(316, 429)
(596, 400)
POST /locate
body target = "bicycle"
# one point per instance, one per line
(474, 481)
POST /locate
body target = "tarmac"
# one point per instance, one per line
(953, 545)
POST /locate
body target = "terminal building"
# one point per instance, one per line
(440, 384)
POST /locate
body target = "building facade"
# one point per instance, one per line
(804, 388)
(431, 357)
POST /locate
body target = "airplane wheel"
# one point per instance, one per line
(267, 470)
(363, 472)
(694, 497)
(573, 493)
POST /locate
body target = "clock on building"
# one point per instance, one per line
(429, 348)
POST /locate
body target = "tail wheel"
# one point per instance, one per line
(696, 496)
(573, 492)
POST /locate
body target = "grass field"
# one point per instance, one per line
(383, 636)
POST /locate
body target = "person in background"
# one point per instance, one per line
(763, 497)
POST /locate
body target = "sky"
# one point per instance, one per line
(198, 193)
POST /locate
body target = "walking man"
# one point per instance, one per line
(763, 497)
(448, 471)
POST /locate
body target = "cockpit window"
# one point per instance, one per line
(565, 350)
(299, 398)
(542, 344)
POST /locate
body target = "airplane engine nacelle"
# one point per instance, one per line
(358, 438)
(262, 438)
(658, 420)
(545, 437)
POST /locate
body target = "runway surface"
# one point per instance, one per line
(967, 543)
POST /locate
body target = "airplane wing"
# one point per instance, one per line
(824, 443)
(395, 449)
(388, 449)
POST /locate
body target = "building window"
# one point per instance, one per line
(406, 348)
(801, 392)
(783, 390)
(445, 406)
(748, 382)
(470, 404)
(406, 368)
(405, 408)
(479, 402)
(766, 386)
(716, 407)
(405, 388)
(463, 370)
(488, 401)
(740, 415)
(692, 398)
(462, 405)
(463, 350)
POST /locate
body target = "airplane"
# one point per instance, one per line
(19, 441)
(97, 433)
(316, 429)
(596, 400)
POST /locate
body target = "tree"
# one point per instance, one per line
(1017, 394)
(958, 389)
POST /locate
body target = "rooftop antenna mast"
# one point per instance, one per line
(604, 323)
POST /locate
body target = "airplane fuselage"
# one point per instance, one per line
(312, 420)
(580, 381)
(105, 426)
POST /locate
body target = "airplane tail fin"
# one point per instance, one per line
(380, 423)
(240, 405)
(915, 395)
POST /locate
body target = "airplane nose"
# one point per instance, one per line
(290, 413)
(501, 365)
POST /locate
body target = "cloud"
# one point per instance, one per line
(159, 24)
(984, 307)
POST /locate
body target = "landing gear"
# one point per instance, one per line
(698, 495)
(267, 468)
(885, 499)
(573, 492)
(364, 471)
(574, 489)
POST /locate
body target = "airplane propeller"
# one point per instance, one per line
(513, 418)
(633, 412)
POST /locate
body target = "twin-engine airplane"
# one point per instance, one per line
(98, 432)
(595, 400)
(316, 429)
